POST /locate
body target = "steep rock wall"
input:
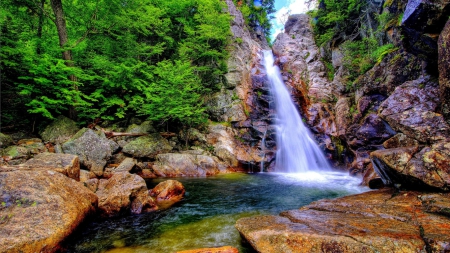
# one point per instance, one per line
(242, 104)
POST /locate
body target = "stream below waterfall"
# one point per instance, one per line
(207, 214)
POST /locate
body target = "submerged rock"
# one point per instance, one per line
(377, 221)
(39, 209)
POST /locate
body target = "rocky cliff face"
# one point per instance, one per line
(243, 102)
(402, 102)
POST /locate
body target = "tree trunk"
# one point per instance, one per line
(39, 31)
(60, 23)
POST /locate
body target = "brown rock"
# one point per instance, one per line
(92, 184)
(377, 221)
(39, 209)
(66, 164)
(444, 71)
(86, 175)
(415, 170)
(126, 165)
(400, 140)
(225, 249)
(122, 193)
(167, 193)
(343, 117)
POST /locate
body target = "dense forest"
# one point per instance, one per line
(112, 60)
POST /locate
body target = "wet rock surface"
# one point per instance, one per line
(39, 209)
(167, 193)
(377, 221)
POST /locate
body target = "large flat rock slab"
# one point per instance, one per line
(39, 209)
(378, 221)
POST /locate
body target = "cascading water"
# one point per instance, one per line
(296, 149)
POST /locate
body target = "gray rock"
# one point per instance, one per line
(411, 110)
(60, 130)
(186, 165)
(147, 146)
(93, 149)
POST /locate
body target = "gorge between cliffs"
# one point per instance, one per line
(310, 144)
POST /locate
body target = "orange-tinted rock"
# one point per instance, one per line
(123, 193)
(378, 221)
(39, 209)
(168, 193)
(225, 249)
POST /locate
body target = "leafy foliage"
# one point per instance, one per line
(257, 14)
(150, 57)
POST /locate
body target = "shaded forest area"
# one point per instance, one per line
(110, 60)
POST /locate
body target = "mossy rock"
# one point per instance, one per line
(145, 127)
(5, 140)
(60, 130)
(147, 146)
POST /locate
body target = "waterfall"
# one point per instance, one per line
(296, 149)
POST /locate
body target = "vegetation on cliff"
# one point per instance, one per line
(111, 59)
(358, 27)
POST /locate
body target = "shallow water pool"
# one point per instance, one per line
(207, 214)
